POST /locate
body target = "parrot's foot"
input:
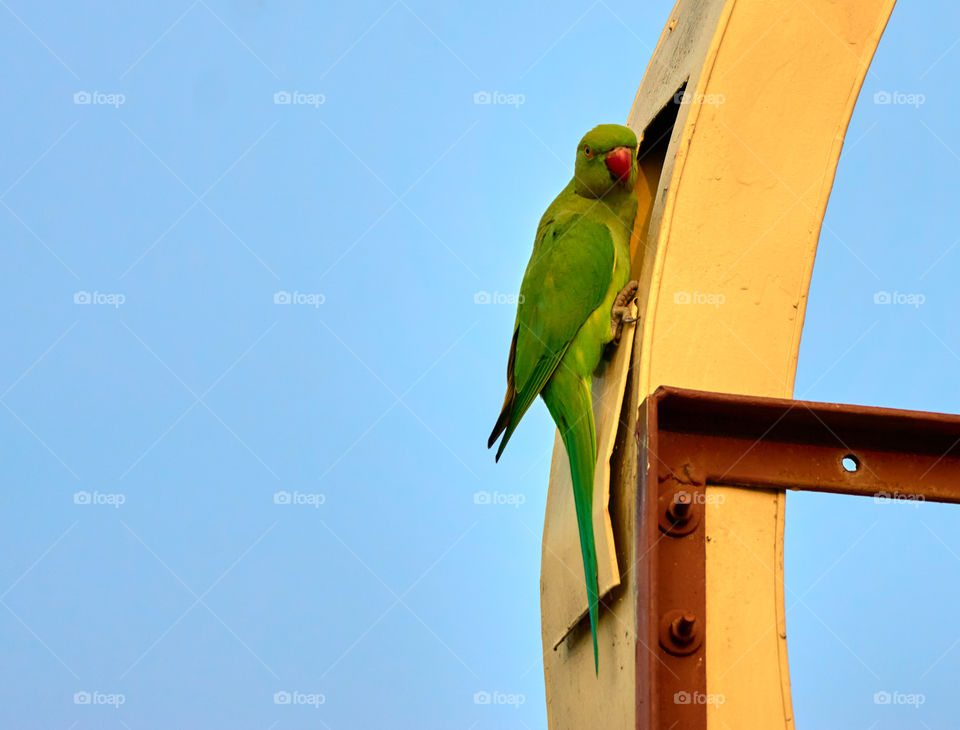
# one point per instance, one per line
(620, 314)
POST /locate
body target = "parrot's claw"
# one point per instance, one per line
(626, 294)
(620, 314)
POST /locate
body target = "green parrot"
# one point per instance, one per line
(573, 301)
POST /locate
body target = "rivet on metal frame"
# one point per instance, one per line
(681, 634)
(679, 513)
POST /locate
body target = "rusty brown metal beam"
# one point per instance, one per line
(747, 441)
(671, 580)
(690, 440)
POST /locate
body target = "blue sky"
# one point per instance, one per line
(247, 386)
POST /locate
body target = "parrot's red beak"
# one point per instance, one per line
(619, 160)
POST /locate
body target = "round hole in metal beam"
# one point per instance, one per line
(850, 463)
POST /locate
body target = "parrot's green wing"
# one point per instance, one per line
(568, 276)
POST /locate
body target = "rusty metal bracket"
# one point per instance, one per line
(690, 440)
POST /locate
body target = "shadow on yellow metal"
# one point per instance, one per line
(736, 176)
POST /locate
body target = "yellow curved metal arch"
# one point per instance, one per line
(731, 210)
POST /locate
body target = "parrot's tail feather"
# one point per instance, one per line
(528, 394)
(569, 400)
(503, 420)
(511, 427)
(522, 399)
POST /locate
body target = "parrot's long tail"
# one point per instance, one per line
(568, 398)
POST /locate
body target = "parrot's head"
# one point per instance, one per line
(606, 161)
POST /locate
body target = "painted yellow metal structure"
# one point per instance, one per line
(737, 171)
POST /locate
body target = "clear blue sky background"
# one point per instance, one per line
(382, 211)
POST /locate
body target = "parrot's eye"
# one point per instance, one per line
(587, 151)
